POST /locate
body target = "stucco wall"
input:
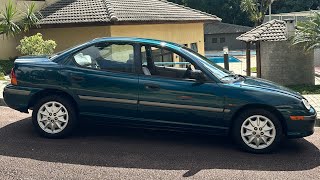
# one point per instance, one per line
(71, 36)
(286, 64)
(178, 33)
(68, 37)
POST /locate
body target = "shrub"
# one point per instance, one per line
(35, 45)
(6, 66)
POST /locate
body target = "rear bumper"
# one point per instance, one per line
(17, 98)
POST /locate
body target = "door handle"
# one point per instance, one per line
(77, 78)
(152, 87)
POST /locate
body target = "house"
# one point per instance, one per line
(71, 22)
(281, 62)
(219, 35)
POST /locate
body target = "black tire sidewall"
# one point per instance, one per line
(236, 130)
(71, 113)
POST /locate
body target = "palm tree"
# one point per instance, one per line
(256, 10)
(12, 22)
(308, 33)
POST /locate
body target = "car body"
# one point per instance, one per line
(129, 84)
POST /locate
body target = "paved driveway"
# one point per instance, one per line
(112, 153)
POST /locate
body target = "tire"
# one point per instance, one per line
(257, 131)
(54, 117)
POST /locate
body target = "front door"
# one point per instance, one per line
(171, 96)
(103, 78)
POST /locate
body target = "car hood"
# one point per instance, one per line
(262, 84)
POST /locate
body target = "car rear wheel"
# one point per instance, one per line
(54, 117)
(257, 131)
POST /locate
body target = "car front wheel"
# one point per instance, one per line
(257, 131)
(54, 117)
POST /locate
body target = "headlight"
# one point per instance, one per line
(306, 104)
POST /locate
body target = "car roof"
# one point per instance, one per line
(135, 40)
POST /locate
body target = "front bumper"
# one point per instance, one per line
(302, 128)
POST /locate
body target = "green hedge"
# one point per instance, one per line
(6, 66)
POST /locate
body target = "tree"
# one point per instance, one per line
(12, 22)
(8, 21)
(256, 9)
(308, 33)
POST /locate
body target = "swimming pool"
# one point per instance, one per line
(220, 59)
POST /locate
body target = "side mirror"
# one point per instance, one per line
(199, 76)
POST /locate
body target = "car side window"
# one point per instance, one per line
(106, 56)
(157, 61)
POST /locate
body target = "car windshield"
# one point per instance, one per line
(215, 69)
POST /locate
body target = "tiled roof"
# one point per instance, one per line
(113, 11)
(274, 30)
(224, 28)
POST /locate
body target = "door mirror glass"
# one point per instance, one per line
(199, 76)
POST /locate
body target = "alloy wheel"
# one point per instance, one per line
(258, 132)
(52, 117)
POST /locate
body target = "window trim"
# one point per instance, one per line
(214, 42)
(70, 58)
(139, 61)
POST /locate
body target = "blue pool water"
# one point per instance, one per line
(220, 59)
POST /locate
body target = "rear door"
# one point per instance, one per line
(103, 78)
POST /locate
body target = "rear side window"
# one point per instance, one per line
(105, 56)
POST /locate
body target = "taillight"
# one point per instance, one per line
(13, 78)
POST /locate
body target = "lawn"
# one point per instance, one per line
(306, 89)
(254, 69)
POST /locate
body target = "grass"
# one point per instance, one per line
(254, 69)
(6, 66)
(306, 89)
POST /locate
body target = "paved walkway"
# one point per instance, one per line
(314, 100)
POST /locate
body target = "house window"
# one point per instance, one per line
(194, 47)
(214, 40)
(222, 40)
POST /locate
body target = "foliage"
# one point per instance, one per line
(230, 11)
(8, 25)
(6, 66)
(11, 21)
(308, 33)
(283, 6)
(306, 89)
(1, 75)
(35, 45)
(256, 9)
(30, 17)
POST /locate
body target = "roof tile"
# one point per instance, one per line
(274, 30)
(107, 11)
